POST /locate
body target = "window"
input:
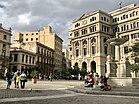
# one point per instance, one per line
(15, 57)
(31, 39)
(77, 24)
(123, 16)
(36, 38)
(105, 49)
(77, 53)
(136, 12)
(127, 27)
(131, 26)
(104, 18)
(93, 49)
(70, 34)
(84, 31)
(26, 58)
(84, 51)
(92, 28)
(30, 59)
(76, 33)
(130, 15)
(92, 19)
(38, 49)
(26, 34)
(36, 33)
(33, 60)
(70, 49)
(107, 20)
(32, 33)
(41, 51)
(5, 37)
(126, 16)
(4, 46)
(23, 57)
(27, 39)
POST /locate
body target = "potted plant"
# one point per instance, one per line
(34, 76)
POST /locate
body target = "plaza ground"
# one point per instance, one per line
(64, 92)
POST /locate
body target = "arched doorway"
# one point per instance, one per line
(93, 66)
(84, 65)
(76, 64)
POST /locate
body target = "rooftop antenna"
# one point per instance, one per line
(120, 5)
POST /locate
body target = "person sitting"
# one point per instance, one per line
(90, 81)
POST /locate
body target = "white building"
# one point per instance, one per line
(88, 37)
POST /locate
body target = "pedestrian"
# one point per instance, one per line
(17, 80)
(23, 80)
(8, 79)
(50, 77)
(17, 73)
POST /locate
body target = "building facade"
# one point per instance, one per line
(88, 36)
(5, 42)
(66, 61)
(32, 55)
(47, 37)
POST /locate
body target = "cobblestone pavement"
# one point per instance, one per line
(82, 99)
(46, 85)
(46, 92)
(27, 93)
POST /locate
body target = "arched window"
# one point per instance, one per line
(93, 40)
(77, 44)
(84, 42)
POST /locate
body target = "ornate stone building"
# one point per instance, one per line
(5, 41)
(88, 37)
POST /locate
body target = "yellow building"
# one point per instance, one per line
(47, 37)
(5, 41)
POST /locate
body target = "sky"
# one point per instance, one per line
(32, 15)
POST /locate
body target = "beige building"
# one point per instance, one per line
(47, 37)
(32, 54)
(66, 61)
(89, 33)
(5, 41)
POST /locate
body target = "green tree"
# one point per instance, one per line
(135, 49)
(83, 72)
(134, 67)
(76, 70)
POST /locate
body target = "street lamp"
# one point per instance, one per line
(3, 60)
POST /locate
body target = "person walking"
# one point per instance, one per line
(50, 77)
(23, 79)
(8, 79)
(17, 80)
(17, 73)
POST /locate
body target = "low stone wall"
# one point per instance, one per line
(124, 81)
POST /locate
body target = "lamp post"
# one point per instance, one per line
(3, 61)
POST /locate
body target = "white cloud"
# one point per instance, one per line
(24, 18)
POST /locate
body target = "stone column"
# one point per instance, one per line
(89, 52)
(117, 53)
(72, 44)
(80, 49)
(102, 45)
